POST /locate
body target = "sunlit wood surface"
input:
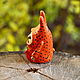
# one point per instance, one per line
(14, 67)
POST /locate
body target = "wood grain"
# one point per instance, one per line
(62, 67)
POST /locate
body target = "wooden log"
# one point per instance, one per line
(62, 67)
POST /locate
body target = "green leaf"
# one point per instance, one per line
(9, 47)
(13, 26)
(11, 39)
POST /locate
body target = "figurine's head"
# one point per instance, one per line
(38, 31)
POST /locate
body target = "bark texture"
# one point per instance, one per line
(62, 67)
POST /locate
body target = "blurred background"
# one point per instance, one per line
(17, 17)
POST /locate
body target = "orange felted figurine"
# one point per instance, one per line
(40, 43)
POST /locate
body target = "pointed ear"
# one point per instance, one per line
(42, 13)
(41, 22)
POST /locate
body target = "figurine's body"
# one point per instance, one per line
(40, 43)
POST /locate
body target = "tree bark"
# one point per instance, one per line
(63, 67)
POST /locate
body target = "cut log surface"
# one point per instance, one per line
(62, 67)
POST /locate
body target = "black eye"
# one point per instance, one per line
(29, 37)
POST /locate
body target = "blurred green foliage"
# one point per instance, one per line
(18, 16)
